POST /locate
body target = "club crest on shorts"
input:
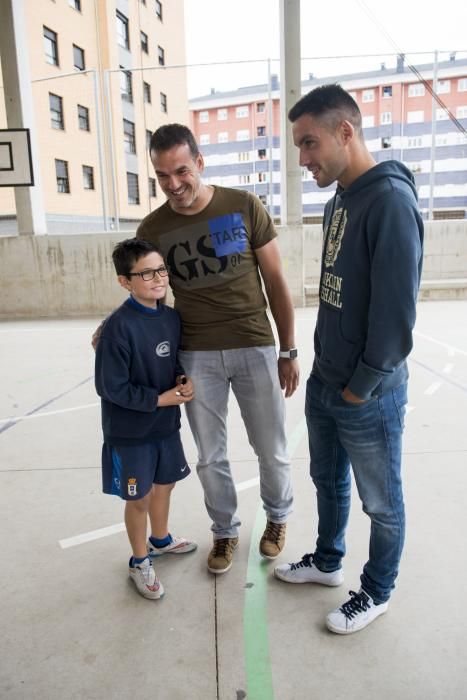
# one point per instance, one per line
(163, 349)
(132, 487)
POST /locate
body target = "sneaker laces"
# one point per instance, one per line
(274, 531)
(306, 560)
(358, 603)
(221, 547)
(147, 573)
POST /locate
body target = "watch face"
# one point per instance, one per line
(293, 354)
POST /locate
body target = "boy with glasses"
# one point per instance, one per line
(142, 386)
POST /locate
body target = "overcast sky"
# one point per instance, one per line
(248, 30)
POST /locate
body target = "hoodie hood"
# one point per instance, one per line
(381, 171)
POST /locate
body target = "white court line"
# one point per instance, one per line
(451, 348)
(47, 330)
(432, 388)
(119, 527)
(49, 413)
(448, 369)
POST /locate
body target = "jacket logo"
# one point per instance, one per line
(163, 349)
(334, 237)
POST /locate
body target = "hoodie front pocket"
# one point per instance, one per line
(335, 349)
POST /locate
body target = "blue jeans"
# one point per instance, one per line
(252, 374)
(368, 436)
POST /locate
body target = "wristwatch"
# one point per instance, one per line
(289, 354)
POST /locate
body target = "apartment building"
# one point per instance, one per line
(103, 79)
(239, 134)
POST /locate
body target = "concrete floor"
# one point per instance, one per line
(74, 628)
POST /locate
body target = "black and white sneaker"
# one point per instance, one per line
(305, 571)
(355, 614)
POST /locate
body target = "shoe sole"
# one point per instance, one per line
(338, 630)
(269, 556)
(319, 583)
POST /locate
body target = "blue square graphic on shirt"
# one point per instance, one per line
(228, 234)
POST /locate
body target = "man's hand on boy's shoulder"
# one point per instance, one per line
(97, 334)
(182, 392)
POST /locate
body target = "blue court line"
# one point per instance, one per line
(14, 421)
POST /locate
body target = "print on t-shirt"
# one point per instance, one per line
(209, 253)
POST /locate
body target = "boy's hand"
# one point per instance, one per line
(185, 385)
(96, 335)
(180, 393)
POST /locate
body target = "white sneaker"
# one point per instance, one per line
(305, 571)
(179, 545)
(145, 579)
(355, 614)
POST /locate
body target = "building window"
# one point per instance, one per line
(78, 58)
(461, 112)
(222, 137)
(263, 199)
(387, 91)
(133, 188)
(441, 114)
(159, 9)
(204, 139)
(203, 117)
(221, 115)
(152, 187)
(56, 111)
(129, 136)
(414, 167)
(262, 177)
(415, 116)
(443, 87)
(416, 90)
(368, 96)
(163, 102)
(50, 46)
(260, 107)
(144, 42)
(242, 111)
(147, 92)
(441, 140)
(148, 139)
(386, 118)
(88, 177)
(386, 142)
(414, 142)
(76, 4)
(261, 153)
(244, 179)
(61, 173)
(123, 34)
(161, 56)
(260, 131)
(126, 85)
(83, 118)
(243, 156)
(368, 121)
(243, 135)
(462, 85)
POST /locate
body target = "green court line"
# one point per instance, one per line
(255, 620)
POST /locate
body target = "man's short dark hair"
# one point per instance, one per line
(331, 104)
(170, 135)
(126, 253)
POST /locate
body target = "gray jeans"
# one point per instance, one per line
(252, 373)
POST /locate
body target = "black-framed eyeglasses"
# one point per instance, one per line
(149, 274)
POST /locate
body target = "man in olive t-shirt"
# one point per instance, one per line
(218, 243)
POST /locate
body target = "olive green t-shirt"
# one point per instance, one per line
(213, 270)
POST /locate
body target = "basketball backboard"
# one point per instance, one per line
(15, 158)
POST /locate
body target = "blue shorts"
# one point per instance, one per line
(130, 471)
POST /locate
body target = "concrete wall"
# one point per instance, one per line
(72, 275)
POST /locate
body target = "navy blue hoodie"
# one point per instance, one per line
(136, 360)
(370, 275)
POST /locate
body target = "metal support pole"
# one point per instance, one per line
(99, 149)
(433, 137)
(270, 142)
(111, 148)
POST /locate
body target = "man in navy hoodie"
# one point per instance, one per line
(357, 392)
